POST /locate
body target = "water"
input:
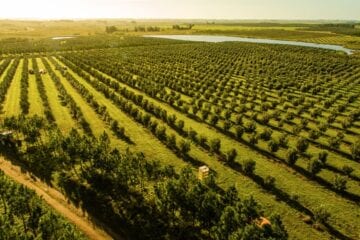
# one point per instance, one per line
(60, 38)
(215, 39)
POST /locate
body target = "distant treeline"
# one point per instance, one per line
(112, 29)
(347, 29)
(179, 27)
(339, 28)
(22, 45)
(147, 29)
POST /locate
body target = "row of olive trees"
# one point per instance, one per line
(24, 87)
(25, 216)
(8, 78)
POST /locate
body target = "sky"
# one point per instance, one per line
(181, 9)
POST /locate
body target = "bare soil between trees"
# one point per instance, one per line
(56, 200)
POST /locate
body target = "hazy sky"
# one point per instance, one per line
(211, 9)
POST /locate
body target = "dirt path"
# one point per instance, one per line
(56, 200)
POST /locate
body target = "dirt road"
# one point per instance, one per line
(56, 200)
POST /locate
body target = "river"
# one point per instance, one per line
(215, 39)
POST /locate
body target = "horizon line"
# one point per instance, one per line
(196, 19)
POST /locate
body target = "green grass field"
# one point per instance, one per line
(36, 105)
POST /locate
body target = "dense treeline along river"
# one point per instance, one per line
(211, 38)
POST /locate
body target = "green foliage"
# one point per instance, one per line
(248, 166)
(231, 155)
(322, 156)
(347, 170)
(266, 134)
(111, 29)
(273, 145)
(355, 150)
(239, 131)
(283, 140)
(321, 215)
(25, 216)
(123, 187)
(227, 89)
(215, 145)
(253, 139)
(302, 145)
(184, 146)
(340, 183)
(291, 156)
(250, 127)
(314, 166)
(269, 182)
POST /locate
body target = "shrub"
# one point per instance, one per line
(322, 156)
(227, 125)
(171, 140)
(302, 145)
(347, 170)
(192, 134)
(215, 145)
(304, 122)
(355, 150)
(291, 156)
(321, 215)
(239, 119)
(314, 166)
(184, 146)
(231, 155)
(248, 166)
(266, 118)
(296, 130)
(239, 131)
(340, 183)
(323, 127)
(273, 146)
(314, 134)
(161, 132)
(269, 182)
(266, 134)
(214, 120)
(253, 139)
(180, 125)
(283, 140)
(334, 142)
(250, 127)
(202, 140)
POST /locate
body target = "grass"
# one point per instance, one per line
(36, 105)
(97, 125)
(11, 105)
(144, 141)
(62, 116)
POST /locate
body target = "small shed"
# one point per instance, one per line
(203, 172)
(42, 71)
